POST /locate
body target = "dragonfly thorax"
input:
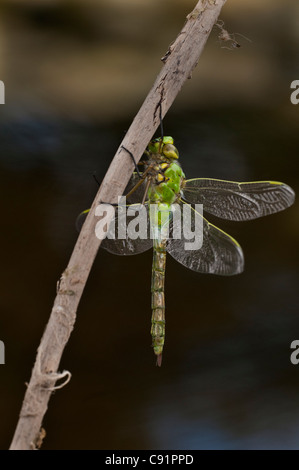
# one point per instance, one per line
(166, 175)
(166, 182)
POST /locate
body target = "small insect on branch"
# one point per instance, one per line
(228, 38)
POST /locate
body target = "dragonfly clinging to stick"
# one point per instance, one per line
(163, 185)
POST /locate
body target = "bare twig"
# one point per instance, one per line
(179, 61)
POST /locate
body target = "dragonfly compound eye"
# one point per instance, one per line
(154, 146)
(170, 151)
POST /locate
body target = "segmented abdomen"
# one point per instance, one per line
(158, 301)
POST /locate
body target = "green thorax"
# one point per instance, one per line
(166, 173)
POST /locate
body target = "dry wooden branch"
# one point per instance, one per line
(179, 61)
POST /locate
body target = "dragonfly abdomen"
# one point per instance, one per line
(158, 299)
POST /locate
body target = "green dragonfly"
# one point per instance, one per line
(163, 185)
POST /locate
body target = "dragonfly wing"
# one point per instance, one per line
(129, 222)
(219, 253)
(123, 228)
(123, 220)
(238, 201)
(81, 219)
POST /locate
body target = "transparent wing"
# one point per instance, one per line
(81, 219)
(127, 223)
(219, 253)
(123, 219)
(129, 231)
(238, 201)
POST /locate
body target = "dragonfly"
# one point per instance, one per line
(163, 185)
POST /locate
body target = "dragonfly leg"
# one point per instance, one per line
(99, 184)
(159, 106)
(96, 179)
(146, 190)
(142, 178)
(114, 204)
(134, 161)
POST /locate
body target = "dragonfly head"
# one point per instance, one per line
(164, 147)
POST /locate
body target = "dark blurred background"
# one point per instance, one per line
(76, 73)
